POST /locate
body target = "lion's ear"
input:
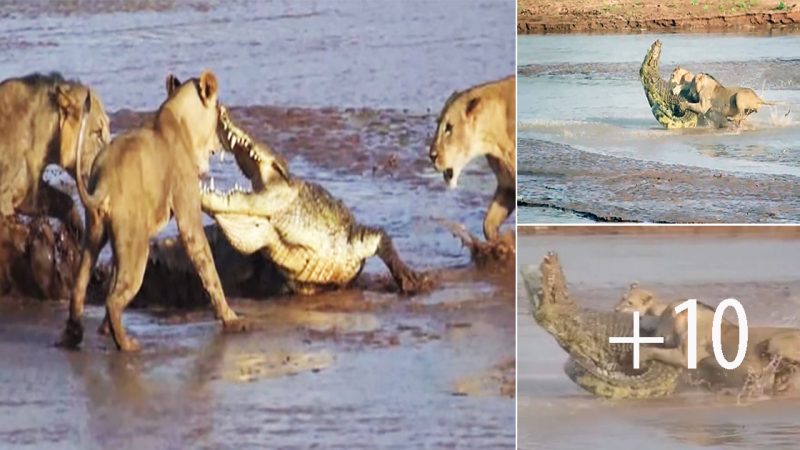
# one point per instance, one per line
(208, 85)
(87, 102)
(173, 83)
(472, 105)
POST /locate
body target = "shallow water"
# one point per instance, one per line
(348, 92)
(381, 54)
(541, 214)
(757, 269)
(583, 91)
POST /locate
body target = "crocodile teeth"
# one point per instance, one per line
(211, 184)
(221, 156)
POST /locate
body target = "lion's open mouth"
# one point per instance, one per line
(448, 174)
(451, 177)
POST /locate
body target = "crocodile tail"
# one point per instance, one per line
(89, 201)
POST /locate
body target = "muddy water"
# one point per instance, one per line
(758, 269)
(584, 92)
(348, 92)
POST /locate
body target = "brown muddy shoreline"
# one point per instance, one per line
(628, 16)
(708, 231)
(618, 189)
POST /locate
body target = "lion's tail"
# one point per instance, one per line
(89, 201)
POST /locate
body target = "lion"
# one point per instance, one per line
(674, 328)
(481, 121)
(39, 119)
(142, 179)
(727, 104)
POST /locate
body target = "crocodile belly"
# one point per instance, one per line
(246, 233)
(606, 369)
(304, 265)
(658, 380)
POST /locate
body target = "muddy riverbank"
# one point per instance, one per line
(618, 189)
(710, 266)
(630, 16)
(328, 370)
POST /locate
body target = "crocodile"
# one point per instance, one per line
(669, 109)
(311, 237)
(594, 364)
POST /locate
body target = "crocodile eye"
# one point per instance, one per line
(448, 129)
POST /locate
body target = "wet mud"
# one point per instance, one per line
(618, 189)
(390, 365)
(707, 263)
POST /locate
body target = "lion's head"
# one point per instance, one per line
(70, 98)
(195, 103)
(637, 299)
(679, 79)
(457, 138)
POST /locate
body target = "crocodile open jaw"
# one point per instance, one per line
(238, 143)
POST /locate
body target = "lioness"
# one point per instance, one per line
(139, 181)
(727, 104)
(481, 121)
(39, 119)
(763, 345)
(674, 327)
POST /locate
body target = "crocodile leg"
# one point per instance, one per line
(408, 280)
